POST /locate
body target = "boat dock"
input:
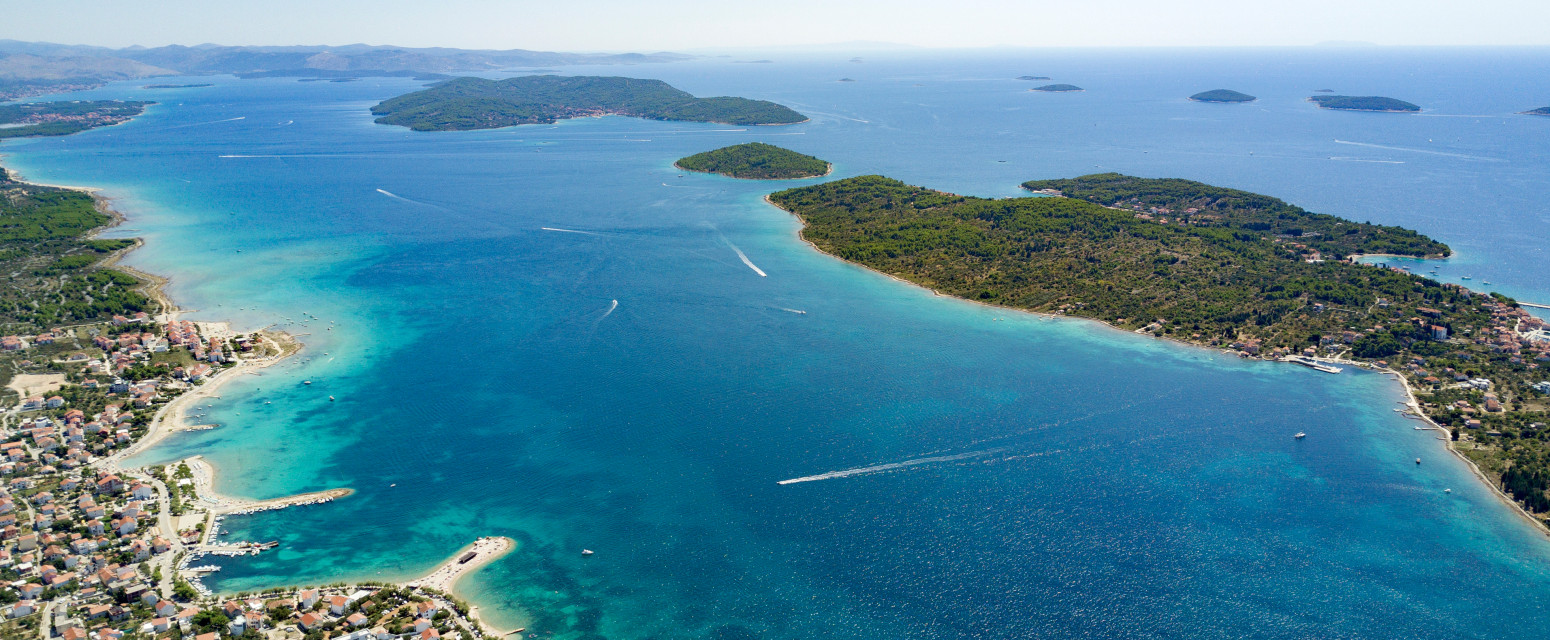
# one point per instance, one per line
(1312, 364)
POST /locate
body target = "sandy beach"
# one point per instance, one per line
(171, 418)
(445, 576)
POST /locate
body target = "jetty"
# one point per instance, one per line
(1534, 305)
(1312, 364)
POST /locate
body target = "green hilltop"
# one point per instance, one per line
(1222, 95)
(755, 161)
(476, 103)
(1198, 204)
(1364, 103)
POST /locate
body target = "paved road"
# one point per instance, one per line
(168, 531)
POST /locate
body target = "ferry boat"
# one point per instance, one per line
(1300, 435)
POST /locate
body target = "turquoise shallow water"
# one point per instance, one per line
(1064, 479)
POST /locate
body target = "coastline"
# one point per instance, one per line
(1412, 403)
(171, 417)
(445, 577)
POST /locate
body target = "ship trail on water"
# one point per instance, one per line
(879, 468)
(744, 257)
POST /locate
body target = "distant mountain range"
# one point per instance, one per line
(48, 63)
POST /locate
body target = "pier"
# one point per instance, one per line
(1534, 305)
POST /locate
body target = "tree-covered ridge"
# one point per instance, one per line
(1363, 103)
(1057, 88)
(1050, 253)
(1470, 357)
(63, 118)
(53, 278)
(756, 161)
(476, 103)
(1192, 203)
(1222, 95)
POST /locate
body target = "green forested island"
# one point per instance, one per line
(63, 118)
(1225, 283)
(1542, 111)
(1222, 95)
(1193, 203)
(1364, 103)
(54, 274)
(756, 161)
(476, 103)
(1057, 88)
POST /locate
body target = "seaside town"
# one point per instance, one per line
(90, 548)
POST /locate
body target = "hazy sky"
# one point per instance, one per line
(615, 25)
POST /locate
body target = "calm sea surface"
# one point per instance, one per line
(634, 388)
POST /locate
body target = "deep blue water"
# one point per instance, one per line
(1066, 480)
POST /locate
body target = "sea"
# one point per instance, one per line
(547, 332)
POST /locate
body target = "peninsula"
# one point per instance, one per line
(1058, 88)
(1542, 111)
(1222, 95)
(1225, 269)
(1364, 103)
(64, 118)
(476, 103)
(756, 161)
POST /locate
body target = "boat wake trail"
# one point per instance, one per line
(744, 257)
(879, 468)
(585, 233)
(611, 307)
(395, 196)
(798, 311)
(200, 124)
(1425, 151)
(1350, 159)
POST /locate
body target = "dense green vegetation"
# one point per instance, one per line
(1216, 283)
(1222, 95)
(477, 103)
(63, 118)
(1542, 111)
(1057, 88)
(52, 277)
(1194, 203)
(1363, 103)
(756, 161)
